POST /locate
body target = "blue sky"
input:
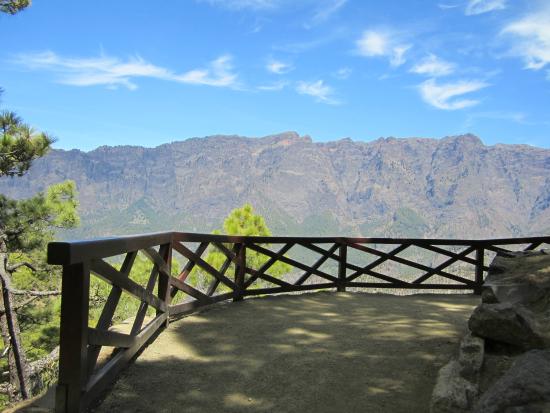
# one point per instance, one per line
(144, 73)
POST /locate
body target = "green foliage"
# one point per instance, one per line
(13, 6)
(19, 145)
(30, 223)
(128, 305)
(240, 221)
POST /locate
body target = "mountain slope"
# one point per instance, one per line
(454, 186)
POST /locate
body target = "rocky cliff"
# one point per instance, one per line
(455, 186)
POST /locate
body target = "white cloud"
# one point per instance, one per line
(445, 6)
(484, 6)
(531, 36)
(446, 96)
(433, 66)
(343, 73)
(219, 73)
(325, 11)
(244, 4)
(273, 87)
(278, 67)
(319, 90)
(516, 117)
(382, 44)
(114, 72)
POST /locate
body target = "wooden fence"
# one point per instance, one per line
(357, 263)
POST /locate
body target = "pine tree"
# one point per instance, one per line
(13, 6)
(240, 221)
(25, 228)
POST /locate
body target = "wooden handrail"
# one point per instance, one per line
(81, 381)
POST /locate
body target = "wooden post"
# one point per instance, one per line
(341, 287)
(73, 338)
(240, 269)
(480, 258)
(164, 281)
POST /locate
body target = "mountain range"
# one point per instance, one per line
(416, 187)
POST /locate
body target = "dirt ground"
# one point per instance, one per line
(321, 352)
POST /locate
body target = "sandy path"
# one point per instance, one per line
(321, 352)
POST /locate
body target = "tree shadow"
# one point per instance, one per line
(319, 352)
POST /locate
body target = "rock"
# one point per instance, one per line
(470, 357)
(525, 387)
(519, 278)
(530, 408)
(452, 393)
(507, 323)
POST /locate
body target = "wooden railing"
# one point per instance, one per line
(374, 264)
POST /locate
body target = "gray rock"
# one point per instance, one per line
(519, 278)
(507, 323)
(530, 408)
(452, 393)
(525, 387)
(470, 357)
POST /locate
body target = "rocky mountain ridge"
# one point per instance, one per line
(450, 187)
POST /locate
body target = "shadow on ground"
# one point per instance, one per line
(321, 352)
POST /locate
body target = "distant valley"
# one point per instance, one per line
(450, 187)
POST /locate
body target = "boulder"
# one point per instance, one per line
(515, 306)
(470, 357)
(519, 278)
(452, 393)
(507, 323)
(525, 387)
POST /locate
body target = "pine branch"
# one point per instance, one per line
(15, 267)
(35, 293)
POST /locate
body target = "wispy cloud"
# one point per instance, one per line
(433, 66)
(446, 96)
(324, 11)
(474, 7)
(516, 117)
(445, 6)
(382, 43)
(278, 67)
(244, 4)
(273, 87)
(531, 38)
(319, 90)
(343, 73)
(114, 72)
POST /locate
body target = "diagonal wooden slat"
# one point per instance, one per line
(378, 262)
(498, 250)
(325, 255)
(215, 282)
(189, 266)
(158, 264)
(443, 251)
(445, 264)
(532, 246)
(409, 263)
(395, 282)
(260, 273)
(114, 277)
(108, 311)
(366, 271)
(157, 260)
(292, 262)
(183, 250)
(189, 290)
(255, 274)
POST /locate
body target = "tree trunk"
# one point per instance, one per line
(11, 389)
(14, 334)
